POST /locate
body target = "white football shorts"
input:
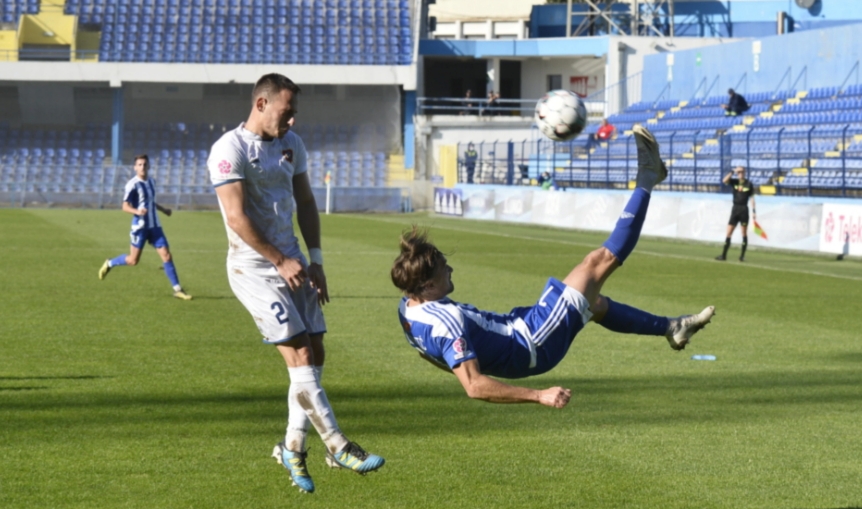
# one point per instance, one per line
(279, 313)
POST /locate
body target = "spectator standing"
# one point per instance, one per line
(468, 104)
(470, 157)
(491, 105)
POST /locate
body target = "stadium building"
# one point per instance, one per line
(84, 84)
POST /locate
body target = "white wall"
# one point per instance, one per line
(535, 71)
(791, 223)
(626, 56)
(434, 132)
(451, 10)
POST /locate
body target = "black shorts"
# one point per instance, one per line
(739, 214)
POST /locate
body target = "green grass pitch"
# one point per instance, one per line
(115, 395)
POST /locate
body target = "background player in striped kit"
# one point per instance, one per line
(530, 340)
(140, 201)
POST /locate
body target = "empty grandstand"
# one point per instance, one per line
(86, 84)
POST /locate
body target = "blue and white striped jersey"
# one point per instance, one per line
(142, 194)
(526, 341)
(450, 333)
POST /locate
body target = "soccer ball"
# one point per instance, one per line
(561, 115)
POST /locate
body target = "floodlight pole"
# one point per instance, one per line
(568, 18)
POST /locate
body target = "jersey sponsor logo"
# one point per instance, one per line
(224, 167)
(288, 155)
(627, 215)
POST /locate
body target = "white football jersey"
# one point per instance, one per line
(266, 169)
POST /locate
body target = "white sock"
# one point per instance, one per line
(178, 288)
(297, 421)
(307, 396)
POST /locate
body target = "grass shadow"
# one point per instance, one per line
(61, 377)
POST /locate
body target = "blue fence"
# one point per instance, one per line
(796, 160)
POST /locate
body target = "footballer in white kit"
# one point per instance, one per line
(267, 169)
(259, 172)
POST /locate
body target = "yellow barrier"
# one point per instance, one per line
(8, 45)
(449, 165)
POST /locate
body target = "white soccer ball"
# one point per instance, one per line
(561, 115)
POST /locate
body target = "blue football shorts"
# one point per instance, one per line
(155, 236)
(553, 322)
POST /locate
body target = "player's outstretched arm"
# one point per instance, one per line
(479, 386)
(232, 198)
(164, 210)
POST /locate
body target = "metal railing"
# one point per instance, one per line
(482, 108)
(619, 96)
(95, 184)
(799, 160)
(31, 180)
(603, 103)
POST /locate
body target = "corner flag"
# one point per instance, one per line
(759, 231)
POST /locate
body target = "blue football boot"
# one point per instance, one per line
(294, 462)
(353, 457)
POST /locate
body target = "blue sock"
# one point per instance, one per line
(628, 229)
(171, 272)
(120, 260)
(628, 320)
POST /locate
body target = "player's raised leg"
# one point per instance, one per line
(132, 258)
(590, 275)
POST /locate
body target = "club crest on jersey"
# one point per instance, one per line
(459, 346)
(224, 167)
(287, 155)
(406, 326)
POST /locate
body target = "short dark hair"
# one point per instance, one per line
(145, 157)
(273, 83)
(416, 264)
(731, 91)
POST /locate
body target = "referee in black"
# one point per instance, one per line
(743, 190)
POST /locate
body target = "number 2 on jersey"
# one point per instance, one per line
(280, 312)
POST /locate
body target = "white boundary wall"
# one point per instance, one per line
(803, 224)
